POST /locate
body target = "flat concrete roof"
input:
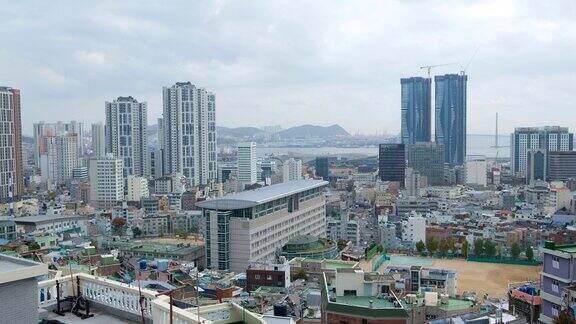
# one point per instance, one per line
(14, 269)
(46, 218)
(251, 198)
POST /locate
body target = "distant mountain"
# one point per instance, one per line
(312, 131)
(241, 132)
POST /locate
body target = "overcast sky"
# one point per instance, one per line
(292, 62)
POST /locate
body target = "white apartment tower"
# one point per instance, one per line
(127, 136)
(247, 173)
(59, 158)
(292, 170)
(106, 181)
(98, 140)
(189, 133)
(43, 129)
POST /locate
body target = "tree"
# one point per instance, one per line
(489, 249)
(515, 252)
(34, 246)
(431, 245)
(300, 274)
(451, 242)
(479, 247)
(118, 225)
(420, 246)
(529, 253)
(136, 231)
(465, 247)
(443, 246)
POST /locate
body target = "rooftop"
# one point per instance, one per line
(568, 248)
(45, 218)
(251, 198)
(14, 269)
(364, 301)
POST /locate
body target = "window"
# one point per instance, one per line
(556, 263)
(269, 277)
(257, 277)
(555, 310)
(555, 287)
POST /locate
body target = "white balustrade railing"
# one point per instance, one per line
(99, 290)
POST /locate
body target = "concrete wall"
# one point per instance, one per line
(563, 270)
(19, 302)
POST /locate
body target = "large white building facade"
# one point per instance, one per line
(189, 133)
(253, 225)
(292, 170)
(127, 136)
(106, 181)
(43, 129)
(59, 158)
(247, 163)
(98, 140)
(476, 173)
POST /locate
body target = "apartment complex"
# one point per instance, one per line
(11, 176)
(98, 139)
(247, 173)
(253, 225)
(292, 170)
(43, 129)
(106, 181)
(59, 158)
(127, 135)
(189, 133)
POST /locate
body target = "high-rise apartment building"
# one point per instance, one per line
(292, 170)
(11, 175)
(450, 115)
(106, 175)
(253, 225)
(127, 135)
(392, 162)
(416, 110)
(98, 140)
(427, 158)
(247, 173)
(58, 159)
(549, 138)
(189, 128)
(43, 129)
(322, 167)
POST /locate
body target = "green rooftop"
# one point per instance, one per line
(364, 301)
(568, 248)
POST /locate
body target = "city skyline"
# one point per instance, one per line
(347, 61)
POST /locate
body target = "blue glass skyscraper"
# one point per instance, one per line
(416, 110)
(450, 116)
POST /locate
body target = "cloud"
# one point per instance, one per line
(292, 62)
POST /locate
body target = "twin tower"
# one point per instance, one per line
(449, 112)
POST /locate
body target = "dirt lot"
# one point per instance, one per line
(488, 278)
(482, 278)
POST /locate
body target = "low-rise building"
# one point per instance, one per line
(308, 246)
(262, 274)
(359, 297)
(51, 224)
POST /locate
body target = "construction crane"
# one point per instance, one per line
(429, 67)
